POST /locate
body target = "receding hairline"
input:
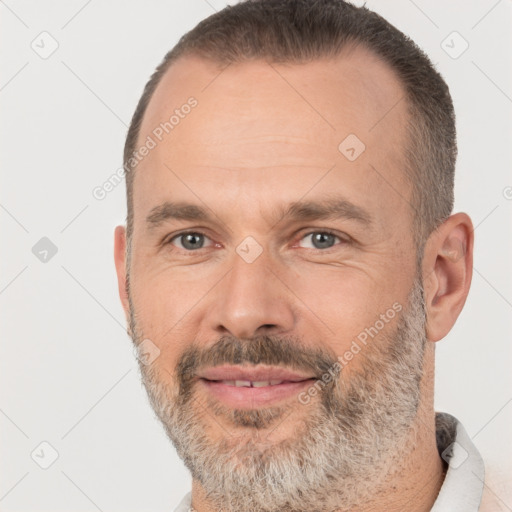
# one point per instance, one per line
(218, 65)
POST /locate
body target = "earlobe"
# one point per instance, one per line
(447, 272)
(120, 263)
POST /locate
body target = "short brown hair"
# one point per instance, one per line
(298, 31)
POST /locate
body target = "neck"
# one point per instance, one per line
(417, 479)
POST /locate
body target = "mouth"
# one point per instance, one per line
(252, 384)
(249, 388)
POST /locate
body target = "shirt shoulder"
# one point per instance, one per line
(185, 504)
(497, 493)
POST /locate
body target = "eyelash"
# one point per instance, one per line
(343, 240)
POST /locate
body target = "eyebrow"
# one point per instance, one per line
(330, 208)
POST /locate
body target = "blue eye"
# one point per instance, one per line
(190, 241)
(321, 239)
(193, 240)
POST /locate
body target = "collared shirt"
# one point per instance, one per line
(464, 480)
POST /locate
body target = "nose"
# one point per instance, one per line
(251, 300)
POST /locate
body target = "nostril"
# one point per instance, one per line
(269, 326)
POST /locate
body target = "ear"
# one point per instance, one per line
(120, 262)
(447, 271)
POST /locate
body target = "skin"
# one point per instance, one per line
(261, 137)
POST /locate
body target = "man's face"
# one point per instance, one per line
(257, 288)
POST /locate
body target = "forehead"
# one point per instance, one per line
(258, 127)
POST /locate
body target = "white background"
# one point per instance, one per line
(67, 371)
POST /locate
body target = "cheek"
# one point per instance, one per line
(340, 304)
(162, 305)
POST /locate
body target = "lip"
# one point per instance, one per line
(253, 397)
(258, 373)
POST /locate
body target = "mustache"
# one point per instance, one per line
(265, 349)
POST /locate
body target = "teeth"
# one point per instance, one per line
(248, 383)
(260, 384)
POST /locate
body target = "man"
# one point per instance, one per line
(291, 258)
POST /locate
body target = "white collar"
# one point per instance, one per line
(464, 481)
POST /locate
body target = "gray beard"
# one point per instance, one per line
(343, 450)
